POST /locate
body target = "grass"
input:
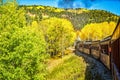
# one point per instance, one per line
(70, 67)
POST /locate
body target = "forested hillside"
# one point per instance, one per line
(79, 17)
(30, 36)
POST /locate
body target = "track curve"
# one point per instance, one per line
(96, 67)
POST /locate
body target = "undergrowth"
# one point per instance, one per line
(72, 68)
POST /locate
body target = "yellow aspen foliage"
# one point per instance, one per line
(97, 31)
(77, 33)
(34, 24)
(59, 34)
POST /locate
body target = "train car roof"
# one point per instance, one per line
(108, 38)
(116, 32)
(87, 42)
(116, 26)
(95, 42)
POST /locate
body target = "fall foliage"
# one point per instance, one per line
(97, 31)
(59, 34)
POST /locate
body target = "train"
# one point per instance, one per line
(106, 51)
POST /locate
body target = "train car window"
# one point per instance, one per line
(104, 49)
(86, 46)
(95, 47)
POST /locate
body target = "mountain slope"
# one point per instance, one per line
(79, 17)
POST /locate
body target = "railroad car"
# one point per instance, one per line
(77, 44)
(104, 51)
(95, 49)
(80, 46)
(87, 47)
(115, 52)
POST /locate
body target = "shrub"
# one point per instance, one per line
(22, 56)
(22, 49)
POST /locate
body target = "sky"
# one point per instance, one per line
(112, 6)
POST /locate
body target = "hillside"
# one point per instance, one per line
(79, 17)
(37, 42)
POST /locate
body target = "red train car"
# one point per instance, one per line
(79, 46)
(87, 47)
(95, 49)
(115, 52)
(104, 51)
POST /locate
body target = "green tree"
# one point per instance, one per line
(59, 34)
(23, 55)
(1, 2)
(11, 17)
(22, 49)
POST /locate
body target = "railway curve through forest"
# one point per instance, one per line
(105, 51)
(97, 69)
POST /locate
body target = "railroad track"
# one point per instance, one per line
(96, 67)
